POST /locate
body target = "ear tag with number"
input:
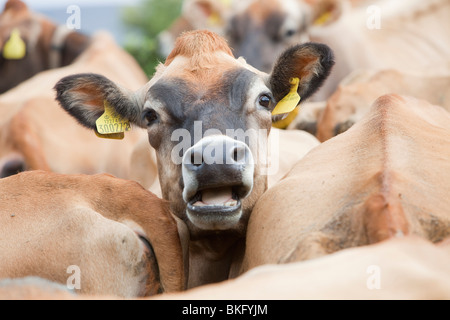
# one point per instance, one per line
(291, 101)
(15, 48)
(111, 125)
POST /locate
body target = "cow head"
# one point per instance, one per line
(267, 27)
(208, 116)
(262, 30)
(44, 45)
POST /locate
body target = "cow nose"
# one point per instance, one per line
(11, 168)
(215, 162)
(216, 152)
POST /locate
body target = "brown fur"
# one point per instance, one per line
(37, 32)
(357, 93)
(197, 47)
(47, 211)
(410, 269)
(386, 177)
(30, 119)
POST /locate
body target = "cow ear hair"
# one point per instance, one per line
(311, 63)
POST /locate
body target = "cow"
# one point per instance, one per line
(386, 177)
(398, 269)
(36, 134)
(212, 15)
(98, 234)
(45, 45)
(358, 92)
(278, 24)
(416, 31)
(208, 116)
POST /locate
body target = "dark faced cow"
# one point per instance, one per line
(46, 45)
(208, 116)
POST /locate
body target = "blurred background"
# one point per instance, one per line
(135, 24)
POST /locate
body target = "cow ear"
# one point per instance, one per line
(84, 95)
(309, 62)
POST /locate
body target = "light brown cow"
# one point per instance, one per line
(388, 176)
(358, 92)
(258, 30)
(404, 35)
(47, 45)
(109, 236)
(36, 134)
(208, 116)
(398, 269)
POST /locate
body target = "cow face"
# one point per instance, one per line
(208, 116)
(44, 46)
(266, 28)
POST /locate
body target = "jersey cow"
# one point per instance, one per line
(30, 43)
(357, 93)
(99, 234)
(36, 134)
(399, 269)
(208, 116)
(386, 177)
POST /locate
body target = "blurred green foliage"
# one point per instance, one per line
(145, 22)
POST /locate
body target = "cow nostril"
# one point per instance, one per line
(238, 154)
(11, 168)
(196, 159)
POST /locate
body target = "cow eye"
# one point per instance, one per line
(264, 101)
(151, 117)
(289, 33)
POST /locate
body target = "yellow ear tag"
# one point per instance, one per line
(323, 19)
(284, 123)
(15, 48)
(215, 19)
(111, 125)
(291, 101)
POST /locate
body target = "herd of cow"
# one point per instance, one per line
(204, 193)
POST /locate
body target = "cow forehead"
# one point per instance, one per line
(184, 99)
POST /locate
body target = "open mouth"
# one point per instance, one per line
(222, 199)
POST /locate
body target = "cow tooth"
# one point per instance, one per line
(231, 203)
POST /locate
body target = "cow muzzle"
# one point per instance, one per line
(218, 175)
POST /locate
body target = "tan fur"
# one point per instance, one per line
(197, 47)
(386, 177)
(30, 117)
(416, 31)
(410, 269)
(52, 221)
(357, 93)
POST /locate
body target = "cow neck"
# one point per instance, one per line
(214, 260)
